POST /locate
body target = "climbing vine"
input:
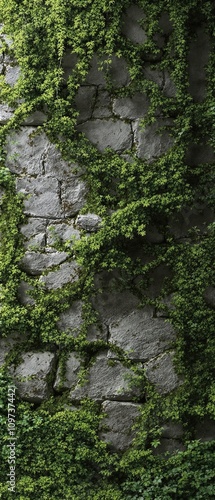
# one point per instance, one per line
(129, 194)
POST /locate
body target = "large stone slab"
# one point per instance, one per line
(73, 196)
(32, 376)
(61, 232)
(102, 107)
(131, 24)
(70, 377)
(35, 262)
(131, 107)
(152, 142)
(84, 102)
(68, 272)
(25, 151)
(162, 374)
(6, 345)
(6, 113)
(42, 196)
(72, 321)
(114, 134)
(35, 233)
(120, 418)
(141, 335)
(56, 166)
(23, 294)
(12, 74)
(106, 381)
(113, 304)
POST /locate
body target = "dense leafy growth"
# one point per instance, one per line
(59, 454)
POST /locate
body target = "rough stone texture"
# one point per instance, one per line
(153, 235)
(172, 430)
(70, 378)
(25, 151)
(169, 88)
(37, 118)
(31, 376)
(151, 142)
(67, 273)
(114, 134)
(73, 196)
(199, 216)
(169, 446)
(112, 305)
(199, 154)
(161, 373)
(56, 166)
(131, 107)
(6, 344)
(34, 232)
(12, 75)
(119, 420)
(35, 263)
(71, 320)
(197, 60)
(84, 101)
(6, 113)
(95, 75)
(23, 295)
(89, 222)
(69, 62)
(131, 27)
(154, 75)
(61, 232)
(209, 296)
(102, 105)
(42, 196)
(118, 72)
(205, 430)
(106, 381)
(140, 335)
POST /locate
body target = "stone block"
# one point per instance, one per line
(106, 381)
(6, 345)
(25, 151)
(114, 134)
(34, 232)
(32, 376)
(68, 272)
(141, 335)
(155, 75)
(197, 60)
(199, 217)
(69, 62)
(12, 75)
(84, 102)
(152, 142)
(118, 72)
(56, 166)
(102, 107)
(119, 419)
(23, 294)
(131, 107)
(169, 88)
(73, 196)
(89, 222)
(161, 373)
(112, 304)
(35, 119)
(71, 320)
(35, 263)
(131, 27)
(6, 113)
(205, 430)
(199, 153)
(172, 430)
(70, 378)
(42, 196)
(95, 75)
(169, 446)
(61, 232)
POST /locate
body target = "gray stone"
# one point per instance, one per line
(205, 430)
(140, 335)
(199, 153)
(23, 294)
(160, 372)
(12, 75)
(197, 60)
(172, 430)
(112, 304)
(35, 233)
(118, 72)
(169, 446)
(42, 196)
(89, 222)
(56, 166)
(6, 345)
(25, 151)
(198, 216)
(119, 420)
(6, 113)
(114, 134)
(73, 196)
(71, 320)
(131, 27)
(155, 75)
(84, 102)
(152, 142)
(62, 232)
(95, 75)
(31, 376)
(70, 378)
(131, 107)
(106, 381)
(35, 263)
(169, 88)
(209, 296)
(102, 107)
(35, 119)
(67, 273)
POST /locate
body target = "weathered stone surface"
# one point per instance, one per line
(84, 102)
(23, 294)
(209, 296)
(140, 335)
(199, 216)
(89, 222)
(73, 196)
(63, 232)
(95, 75)
(12, 75)
(112, 305)
(35, 119)
(106, 381)
(6, 344)
(118, 72)
(6, 113)
(71, 320)
(25, 151)
(197, 60)
(131, 27)
(169, 446)
(67, 273)
(169, 88)
(56, 166)
(42, 196)
(35, 233)
(131, 107)
(205, 430)
(31, 376)
(160, 372)
(197, 153)
(70, 378)
(154, 75)
(119, 420)
(69, 62)
(151, 142)
(172, 430)
(114, 134)
(35, 263)
(102, 107)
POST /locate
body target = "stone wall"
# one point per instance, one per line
(54, 195)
